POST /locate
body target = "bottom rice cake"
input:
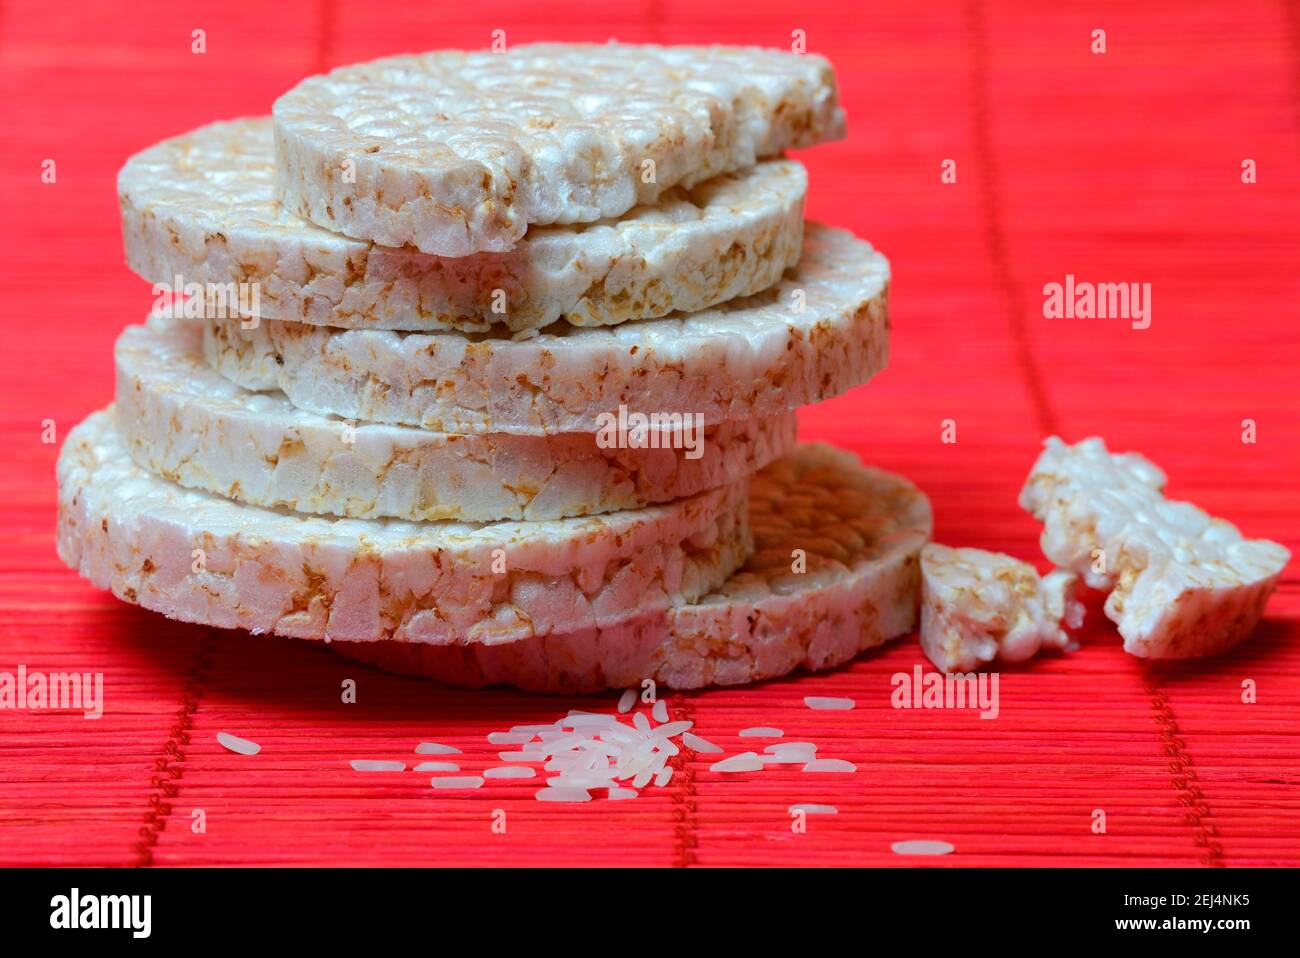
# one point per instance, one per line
(202, 558)
(835, 571)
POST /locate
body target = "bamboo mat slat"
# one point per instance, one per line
(1121, 167)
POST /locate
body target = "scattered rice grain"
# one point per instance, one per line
(695, 743)
(510, 738)
(673, 728)
(510, 771)
(377, 765)
(922, 847)
(239, 745)
(827, 703)
(830, 765)
(437, 767)
(457, 781)
(562, 795)
(744, 762)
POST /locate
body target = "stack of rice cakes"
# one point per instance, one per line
(466, 266)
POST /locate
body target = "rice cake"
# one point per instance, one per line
(203, 207)
(823, 329)
(200, 558)
(184, 422)
(858, 531)
(978, 606)
(1182, 583)
(457, 153)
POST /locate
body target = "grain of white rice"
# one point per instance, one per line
(695, 743)
(760, 731)
(579, 782)
(642, 723)
(377, 765)
(813, 809)
(786, 759)
(660, 711)
(744, 762)
(673, 728)
(642, 778)
(827, 703)
(664, 777)
(562, 795)
(457, 781)
(437, 767)
(533, 729)
(521, 756)
(510, 738)
(791, 753)
(239, 745)
(589, 721)
(509, 771)
(830, 765)
(434, 748)
(626, 701)
(922, 847)
(618, 793)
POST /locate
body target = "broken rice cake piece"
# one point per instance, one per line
(1181, 583)
(977, 606)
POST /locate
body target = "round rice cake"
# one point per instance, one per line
(856, 534)
(203, 207)
(823, 329)
(201, 558)
(184, 422)
(456, 153)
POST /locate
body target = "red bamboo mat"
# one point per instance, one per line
(1118, 167)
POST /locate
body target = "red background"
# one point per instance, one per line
(1116, 167)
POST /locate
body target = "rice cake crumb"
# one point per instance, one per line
(978, 606)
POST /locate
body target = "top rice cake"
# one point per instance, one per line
(456, 153)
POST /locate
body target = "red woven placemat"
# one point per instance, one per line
(1122, 167)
